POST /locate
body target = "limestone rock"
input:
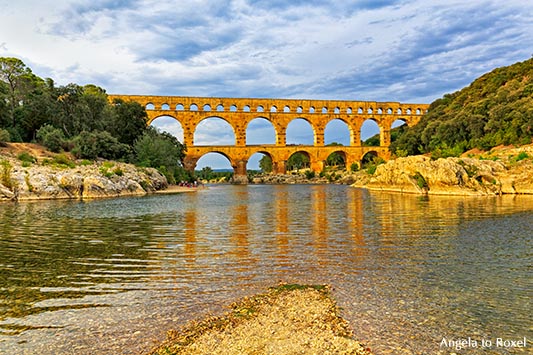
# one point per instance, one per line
(451, 176)
(100, 179)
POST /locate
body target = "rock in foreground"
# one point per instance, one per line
(290, 319)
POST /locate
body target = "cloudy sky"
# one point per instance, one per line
(379, 50)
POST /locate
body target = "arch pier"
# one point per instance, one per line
(239, 112)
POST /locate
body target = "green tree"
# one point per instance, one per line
(298, 161)
(128, 121)
(99, 144)
(159, 150)
(335, 159)
(51, 137)
(14, 73)
(265, 164)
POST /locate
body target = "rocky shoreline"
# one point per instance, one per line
(499, 171)
(27, 172)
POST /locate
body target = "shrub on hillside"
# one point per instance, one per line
(51, 137)
(99, 144)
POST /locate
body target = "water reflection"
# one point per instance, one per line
(406, 269)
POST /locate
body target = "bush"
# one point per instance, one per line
(51, 137)
(4, 136)
(309, 174)
(27, 158)
(98, 144)
(354, 167)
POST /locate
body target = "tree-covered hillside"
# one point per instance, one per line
(495, 109)
(82, 121)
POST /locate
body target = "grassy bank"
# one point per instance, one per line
(288, 319)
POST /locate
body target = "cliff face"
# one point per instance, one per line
(509, 172)
(47, 179)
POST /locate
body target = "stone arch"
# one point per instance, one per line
(256, 132)
(193, 107)
(254, 159)
(233, 108)
(214, 130)
(246, 108)
(149, 106)
(170, 125)
(165, 106)
(305, 164)
(369, 157)
(273, 108)
(337, 159)
(215, 160)
(324, 109)
(180, 107)
(297, 132)
(206, 108)
(260, 108)
(369, 129)
(339, 131)
(220, 108)
(286, 108)
(299, 109)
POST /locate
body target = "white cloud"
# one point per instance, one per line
(386, 50)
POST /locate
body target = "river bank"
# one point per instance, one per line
(29, 172)
(289, 319)
(502, 170)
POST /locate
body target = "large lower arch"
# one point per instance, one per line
(214, 160)
(298, 160)
(254, 162)
(214, 131)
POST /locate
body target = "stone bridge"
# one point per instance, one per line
(239, 112)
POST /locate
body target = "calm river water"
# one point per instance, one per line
(412, 274)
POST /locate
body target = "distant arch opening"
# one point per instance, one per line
(214, 166)
(193, 107)
(150, 106)
(337, 131)
(370, 133)
(260, 131)
(214, 131)
(300, 131)
(261, 162)
(170, 125)
(297, 161)
(180, 107)
(165, 107)
(220, 108)
(369, 158)
(336, 159)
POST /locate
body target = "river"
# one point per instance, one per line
(413, 275)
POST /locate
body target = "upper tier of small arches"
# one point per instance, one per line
(368, 109)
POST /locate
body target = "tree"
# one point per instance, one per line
(14, 73)
(51, 137)
(160, 150)
(298, 161)
(265, 164)
(128, 121)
